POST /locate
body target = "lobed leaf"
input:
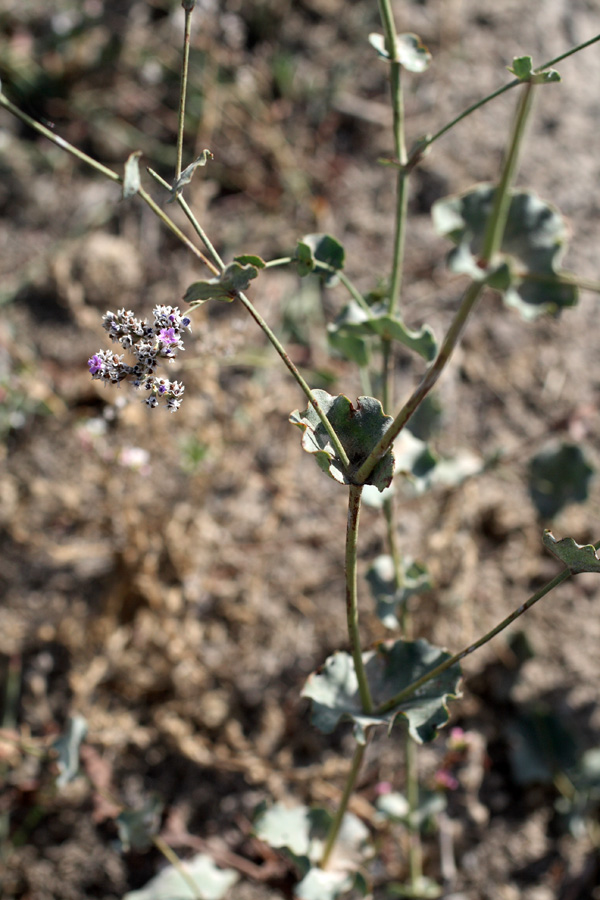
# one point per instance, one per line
(526, 271)
(355, 322)
(578, 557)
(390, 668)
(558, 475)
(359, 428)
(235, 277)
(323, 248)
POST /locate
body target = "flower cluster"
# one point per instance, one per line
(149, 343)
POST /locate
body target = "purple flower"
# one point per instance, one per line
(95, 364)
(168, 336)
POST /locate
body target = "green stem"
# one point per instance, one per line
(272, 337)
(497, 221)
(193, 220)
(336, 824)
(352, 596)
(56, 139)
(177, 864)
(183, 88)
(427, 383)
(453, 660)
(104, 170)
(561, 278)
(176, 230)
(467, 112)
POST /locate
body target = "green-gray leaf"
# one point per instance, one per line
(235, 277)
(188, 173)
(137, 827)
(558, 475)
(527, 270)
(354, 321)
(578, 557)
(390, 668)
(67, 746)
(522, 67)
(359, 427)
(211, 882)
(320, 248)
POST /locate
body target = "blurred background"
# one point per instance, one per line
(174, 579)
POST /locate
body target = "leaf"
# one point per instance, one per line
(522, 67)
(67, 747)
(578, 557)
(235, 277)
(390, 668)
(389, 600)
(131, 178)
(526, 271)
(359, 428)
(314, 248)
(557, 476)
(188, 173)
(354, 321)
(411, 53)
(137, 827)
(423, 888)
(302, 832)
(540, 746)
(211, 882)
(247, 259)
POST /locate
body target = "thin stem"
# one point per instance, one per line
(430, 378)
(467, 112)
(193, 220)
(176, 230)
(352, 596)
(339, 449)
(497, 221)
(183, 88)
(56, 139)
(104, 170)
(177, 864)
(336, 824)
(562, 278)
(453, 660)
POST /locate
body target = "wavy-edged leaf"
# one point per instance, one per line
(359, 427)
(390, 668)
(211, 882)
(522, 68)
(249, 259)
(526, 271)
(235, 277)
(411, 53)
(390, 600)
(559, 475)
(131, 177)
(578, 557)
(323, 248)
(356, 322)
(188, 173)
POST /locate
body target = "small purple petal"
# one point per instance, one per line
(168, 336)
(95, 364)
